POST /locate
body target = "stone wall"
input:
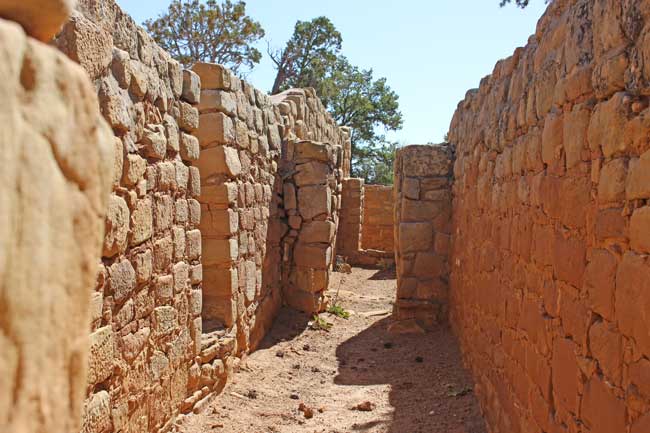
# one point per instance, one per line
(551, 223)
(146, 308)
(350, 228)
(378, 218)
(56, 153)
(422, 195)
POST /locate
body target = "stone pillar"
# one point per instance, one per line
(311, 202)
(423, 233)
(350, 225)
(56, 159)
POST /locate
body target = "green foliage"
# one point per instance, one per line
(352, 95)
(319, 324)
(521, 3)
(308, 55)
(338, 311)
(195, 31)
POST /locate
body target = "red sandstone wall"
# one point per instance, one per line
(550, 272)
(377, 218)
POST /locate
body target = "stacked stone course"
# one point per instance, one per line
(56, 152)
(422, 194)
(378, 218)
(146, 308)
(550, 258)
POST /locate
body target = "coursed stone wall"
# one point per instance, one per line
(56, 153)
(146, 308)
(550, 260)
(378, 218)
(422, 197)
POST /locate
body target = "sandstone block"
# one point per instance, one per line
(213, 76)
(311, 173)
(317, 232)
(141, 222)
(611, 186)
(134, 169)
(222, 194)
(163, 251)
(220, 160)
(632, 295)
(191, 87)
(289, 194)
(189, 147)
(220, 282)
(415, 237)
(640, 230)
(189, 117)
(638, 178)
(122, 279)
(193, 244)
(97, 413)
(215, 129)
(41, 20)
(314, 201)
(181, 274)
(154, 142)
(219, 251)
(143, 264)
(601, 409)
(411, 188)
(312, 256)
(311, 150)
(100, 355)
(117, 226)
(220, 222)
(164, 287)
(165, 320)
(309, 280)
(218, 100)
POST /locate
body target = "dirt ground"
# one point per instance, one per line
(406, 384)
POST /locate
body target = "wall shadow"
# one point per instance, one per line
(430, 390)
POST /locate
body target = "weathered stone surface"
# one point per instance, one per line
(314, 200)
(57, 157)
(219, 160)
(41, 20)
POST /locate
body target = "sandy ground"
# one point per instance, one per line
(411, 384)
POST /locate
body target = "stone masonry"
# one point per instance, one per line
(146, 308)
(56, 153)
(378, 218)
(422, 234)
(550, 275)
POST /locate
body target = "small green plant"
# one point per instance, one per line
(319, 324)
(338, 311)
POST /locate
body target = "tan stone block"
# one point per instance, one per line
(195, 212)
(222, 194)
(180, 242)
(193, 244)
(134, 169)
(172, 133)
(311, 150)
(181, 211)
(413, 211)
(640, 230)
(305, 301)
(181, 273)
(163, 212)
(220, 222)
(312, 256)
(213, 76)
(219, 251)
(607, 125)
(317, 232)
(116, 226)
(191, 87)
(100, 355)
(194, 184)
(41, 20)
(97, 413)
(429, 265)
(163, 250)
(606, 346)
(309, 280)
(143, 264)
(314, 201)
(121, 279)
(141, 222)
(164, 286)
(215, 129)
(154, 142)
(566, 374)
(195, 302)
(165, 320)
(218, 100)
(220, 282)
(196, 274)
(189, 117)
(638, 178)
(311, 173)
(411, 188)
(289, 194)
(220, 161)
(182, 175)
(415, 237)
(189, 147)
(632, 297)
(552, 138)
(166, 179)
(611, 186)
(600, 280)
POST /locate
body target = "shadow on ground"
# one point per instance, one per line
(430, 390)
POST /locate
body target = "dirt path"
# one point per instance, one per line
(414, 384)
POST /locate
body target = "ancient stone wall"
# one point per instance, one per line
(350, 228)
(378, 218)
(422, 197)
(56, 153)
(550, 258)
(146, 315)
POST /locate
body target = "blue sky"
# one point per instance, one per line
(431, 51)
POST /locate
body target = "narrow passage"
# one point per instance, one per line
(356, 377)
